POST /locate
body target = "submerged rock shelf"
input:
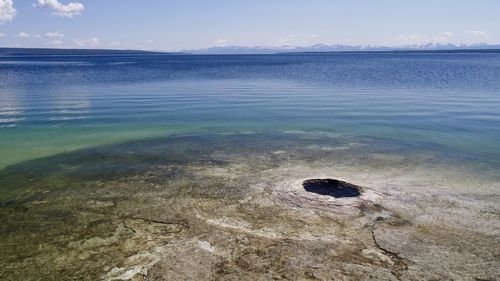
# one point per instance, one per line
(244, 207)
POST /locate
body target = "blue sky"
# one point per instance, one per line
(172, 25)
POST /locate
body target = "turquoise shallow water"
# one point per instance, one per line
(447, 103)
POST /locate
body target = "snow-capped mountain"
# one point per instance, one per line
(339, 48)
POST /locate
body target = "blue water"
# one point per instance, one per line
(436, 101)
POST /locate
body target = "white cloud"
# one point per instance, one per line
(409, 39)
(116, 43)
(443, 37)
(478, 33)
(2, 34)
(312, 36)
(23, 35)
(7, 11)
(63, 10)
(310, 39)
(220, 42)
(37, 36)
(87, 42)
(287, 39)
(54, 43)
(54, 35)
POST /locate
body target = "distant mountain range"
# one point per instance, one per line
(321, 48)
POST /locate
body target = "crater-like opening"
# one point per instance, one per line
(332, 187)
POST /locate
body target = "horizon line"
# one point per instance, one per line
(390, 49)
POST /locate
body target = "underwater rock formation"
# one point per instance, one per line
(246, 207)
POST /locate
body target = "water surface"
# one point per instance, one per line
(445, 102)
(112, 166)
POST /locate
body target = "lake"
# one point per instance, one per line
(85, 139)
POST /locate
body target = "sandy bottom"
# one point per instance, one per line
(232, 207)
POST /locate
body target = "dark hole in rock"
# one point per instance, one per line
(332, 187)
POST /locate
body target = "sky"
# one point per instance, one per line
(173, 25)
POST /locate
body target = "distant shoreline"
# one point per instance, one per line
(12, 52)
(71, 52)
